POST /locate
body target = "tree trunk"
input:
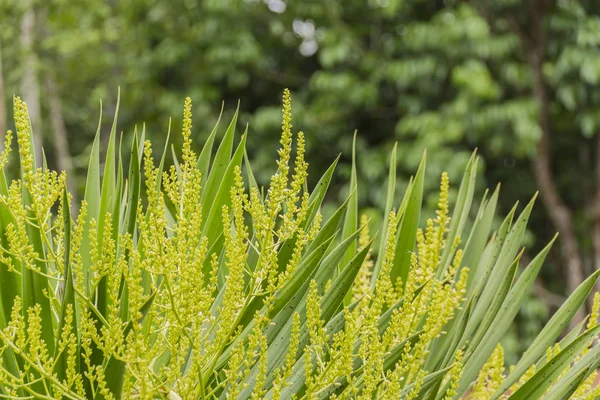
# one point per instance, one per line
(533, 47)
(60, 140)
(557, 210)
(596, 214)
(3, 123)
(30, 90)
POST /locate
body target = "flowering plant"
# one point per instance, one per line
(193, 282)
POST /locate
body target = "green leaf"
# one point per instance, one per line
(114, 368)
(333, 298)
(203, 163)
(428, 382)
(134, 183)
(108, 197)
(9, 361)
(543, 379)
(550, 332)
(288, 297)
(68, 298)
(219, 165)
(161, 165)
(10, 282)
(117, 212)
(572, 335)
(351, 218)
(407, 233)
(489, 275)
(35, 285)
(109, 183)
(502, 321)
(497, 301)
(461, 210)
(472, 255)
(478, 238)
(249, 174)
(329, 304)
(318, 194)
(213, 223)
(568, 383)
(389, 202)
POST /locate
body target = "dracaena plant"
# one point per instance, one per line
(191, 282)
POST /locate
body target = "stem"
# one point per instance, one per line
(41, 371)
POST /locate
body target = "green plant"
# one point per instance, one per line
(202, 285)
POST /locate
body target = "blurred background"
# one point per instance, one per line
(517, 79)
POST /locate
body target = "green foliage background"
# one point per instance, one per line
(448, 76)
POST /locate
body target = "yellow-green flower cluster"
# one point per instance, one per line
(490, 377)
(167, 292)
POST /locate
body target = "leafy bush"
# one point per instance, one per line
(192, 282)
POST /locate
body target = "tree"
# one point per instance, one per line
(3, 122)
(515, 78)
(29, 82)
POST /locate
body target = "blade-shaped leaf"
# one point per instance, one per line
(550, 332)
(543, 379)
(407, 233)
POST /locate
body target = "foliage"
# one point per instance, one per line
(448, 76)
(204, 285)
